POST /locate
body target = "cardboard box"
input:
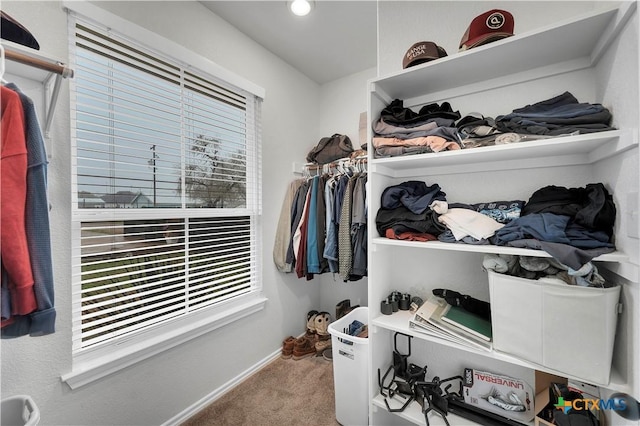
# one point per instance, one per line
(499, 394)
(543, 382)
(542, 400)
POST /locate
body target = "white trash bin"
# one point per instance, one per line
(19, 410)
(350, 368)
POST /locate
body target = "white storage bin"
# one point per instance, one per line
(350, 370)
(19, 410)
(566, 328)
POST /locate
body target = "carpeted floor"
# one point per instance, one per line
(284, 392)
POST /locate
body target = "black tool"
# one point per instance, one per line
(386, 308)
(400, 361)
(429, 396)
(394, 387)
(405, 302)
(482, 417)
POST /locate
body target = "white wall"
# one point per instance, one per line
(155, 390)
(341, 102)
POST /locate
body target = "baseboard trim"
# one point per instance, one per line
(219, 392)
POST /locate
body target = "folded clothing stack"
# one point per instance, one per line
(573, 225)
(436, 127)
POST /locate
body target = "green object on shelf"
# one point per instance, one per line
(469, 322)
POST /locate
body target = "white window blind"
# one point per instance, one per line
(166, 188)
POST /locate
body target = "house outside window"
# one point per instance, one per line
(166, 196)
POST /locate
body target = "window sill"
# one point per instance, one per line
(93, 366)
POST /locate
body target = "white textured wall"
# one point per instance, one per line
(155, 390)
(341, 102)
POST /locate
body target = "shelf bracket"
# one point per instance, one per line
(52, 105)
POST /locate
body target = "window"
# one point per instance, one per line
(166, 193)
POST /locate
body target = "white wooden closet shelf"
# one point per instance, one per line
(558, 151)
(558, 48)
(566, 55)
(615, 256)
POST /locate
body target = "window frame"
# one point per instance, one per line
(93, 363)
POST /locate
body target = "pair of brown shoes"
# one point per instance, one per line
(303, 347)
(299, 348)
(315, 340)
(287, 347)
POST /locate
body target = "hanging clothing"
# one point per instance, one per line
(300, 239)
(297, 208)
(330, 251)
(359, 229)
(42, 320)
(13, 241)
(283, 230)
(326, 233)
(345, 249)
(316, 228)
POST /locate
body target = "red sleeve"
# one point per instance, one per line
(13, 176)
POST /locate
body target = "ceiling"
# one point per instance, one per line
(336, 39)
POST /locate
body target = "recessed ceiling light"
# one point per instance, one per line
(300, 7)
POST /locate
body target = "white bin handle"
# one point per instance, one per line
(34, 416)
(30, 412)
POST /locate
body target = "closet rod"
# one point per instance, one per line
(42, 64)
(53, 67)
(344, 162)
(300, 168)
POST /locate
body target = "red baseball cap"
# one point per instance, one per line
(493, 25)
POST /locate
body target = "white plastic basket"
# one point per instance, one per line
(350, 368)
(19, 410)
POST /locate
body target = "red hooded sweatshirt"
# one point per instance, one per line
(13, 174)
